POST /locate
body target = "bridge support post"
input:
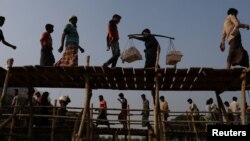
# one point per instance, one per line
(5, 86)
(156, 134)
(243, 96)
(85, 115)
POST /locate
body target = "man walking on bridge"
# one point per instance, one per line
(102, 116)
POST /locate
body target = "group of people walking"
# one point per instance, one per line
(122, 116)
(150, 41)
(70, 44)
(212, 112)
(70, 41)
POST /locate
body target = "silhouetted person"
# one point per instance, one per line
(2, 20)
(229, 111)
(231, 32)
(102, 116)
(15, 100)
(193, 109)
(47, 57)
(145, 112)
(113, 41)
(62, 111)
(122, 117)
(165, 108)
(151, 45)
(45, 103)
(234, 106)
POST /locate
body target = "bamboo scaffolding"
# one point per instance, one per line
(5, 86)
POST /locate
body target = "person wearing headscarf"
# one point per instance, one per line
(62, 111)
(70, 39)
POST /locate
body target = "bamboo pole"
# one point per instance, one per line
(12, 123)
(86, 105)
(156, 98)
(91, 123)
(243, 97)
(128, 124)
(156, 35)
(30, 94)
(156, 109)
(76, 126)
(221, 108)
(53, 122)
(163, 123)
(5, 86)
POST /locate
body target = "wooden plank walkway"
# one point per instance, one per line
(192, 79)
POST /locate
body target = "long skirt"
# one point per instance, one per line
(102, 118)
(237, 54)
(70, 57)
(145, 121)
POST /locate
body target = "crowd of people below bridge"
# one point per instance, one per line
(211, 113)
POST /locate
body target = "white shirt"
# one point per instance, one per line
(234, 106)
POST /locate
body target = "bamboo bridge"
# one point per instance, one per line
(96, 77)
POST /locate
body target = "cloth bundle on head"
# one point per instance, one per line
(72, 17)
(64, 98)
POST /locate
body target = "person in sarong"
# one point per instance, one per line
(102, 116)
(47, 57)
(237, 54)
(71, 39)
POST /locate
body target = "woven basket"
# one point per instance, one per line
(130, 55)
(173, 57)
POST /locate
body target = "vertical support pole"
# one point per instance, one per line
(156, 97)
(243, 97)
(30, 94)
(12, 123)
(128, 124)
(53, 121)
(91, 137)
(5, 86)
(156, 108)
(220, 105)
(86, 105)
(163, 127)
